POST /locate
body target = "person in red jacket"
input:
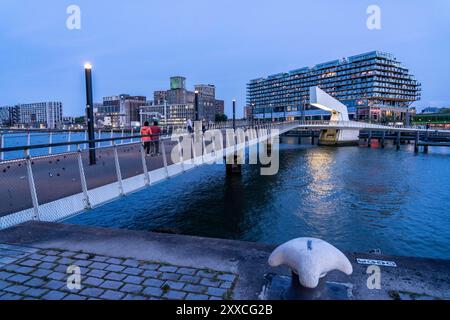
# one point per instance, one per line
(156, 132)
(146, 132)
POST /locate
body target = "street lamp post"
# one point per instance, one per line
(90, 112)
(196, 105)
(234, 114)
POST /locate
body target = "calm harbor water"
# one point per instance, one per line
(356, 198)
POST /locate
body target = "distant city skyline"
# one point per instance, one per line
(134, 50)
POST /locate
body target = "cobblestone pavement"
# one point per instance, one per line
(31, 273)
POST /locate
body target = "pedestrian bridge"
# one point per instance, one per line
(58, 186)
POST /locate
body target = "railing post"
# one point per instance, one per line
(2, 145)
(132, 133)
(69, 139)
(99, 137)
(27, 152)
(112, 136)
(163, 149)
(118, 172)
(85, 139)
(50, 141)
(33, 192)
(121, 141)
(87, 203)
(180, 152)
(144, 165)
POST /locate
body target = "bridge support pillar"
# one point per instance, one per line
(416, 142)
(383, 138)
(425, 148)
(312, 137)
(339, 137)
(234, 168)
(397, 141)
(369, 139)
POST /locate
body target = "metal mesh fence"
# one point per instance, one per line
(15, 192)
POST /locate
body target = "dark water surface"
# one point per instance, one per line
(356, 198)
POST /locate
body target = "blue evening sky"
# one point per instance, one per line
(136, 45)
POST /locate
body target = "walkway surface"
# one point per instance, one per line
(122, 264)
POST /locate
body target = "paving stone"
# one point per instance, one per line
(5, 275)
(41, 273)
(30, 263)
(91, 281)
(10, 297)
(50, 258)
(7, 260)
(115, 276)
(67, 254)
(19, 278)
(134, 279)
(133, 271)
(226, 285)
(47, 265)
(54, 295)
(112, 295)
(210, 283)
(216, 292)
(25, 270)
(152, 291)
(170, 276)
(150, 266)
(57, 276)
(226, 277)
(114, 261)
(62, 268)
(194, 288)
(98, 265)
(132, 288)
(187, 271)
(74, 297)
(99, 258)
(115, 268)
(92, 292)
(134, 297)
(4, 284)
(55, 285)
(35, 282)
(151, 274)
(193, 296)
(167, 269)
(17, 289)
(174, 285)
(97, 273)
(206, 274)
(35, 292)
(82, 263)
(82, 256)
(131, 263)
(66, 261)
(109, 284)
(153, 283)
(215, 298)
(50, 252)
(174, 295)
(190, 279)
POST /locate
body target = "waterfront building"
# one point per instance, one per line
(168, 114)
(179, 100)
(374, 86)
(119, 111)
(33, 115)
(438, 120)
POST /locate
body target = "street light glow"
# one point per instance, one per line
(87, 65)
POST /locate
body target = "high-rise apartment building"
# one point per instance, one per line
(374, 86)
(33, 115)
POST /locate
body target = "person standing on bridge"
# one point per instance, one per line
(146, 139)
(156, 132)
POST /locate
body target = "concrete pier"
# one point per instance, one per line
(122, 264)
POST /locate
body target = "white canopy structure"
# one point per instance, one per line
(322, 100)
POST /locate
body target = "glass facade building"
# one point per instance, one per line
(374, 86)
